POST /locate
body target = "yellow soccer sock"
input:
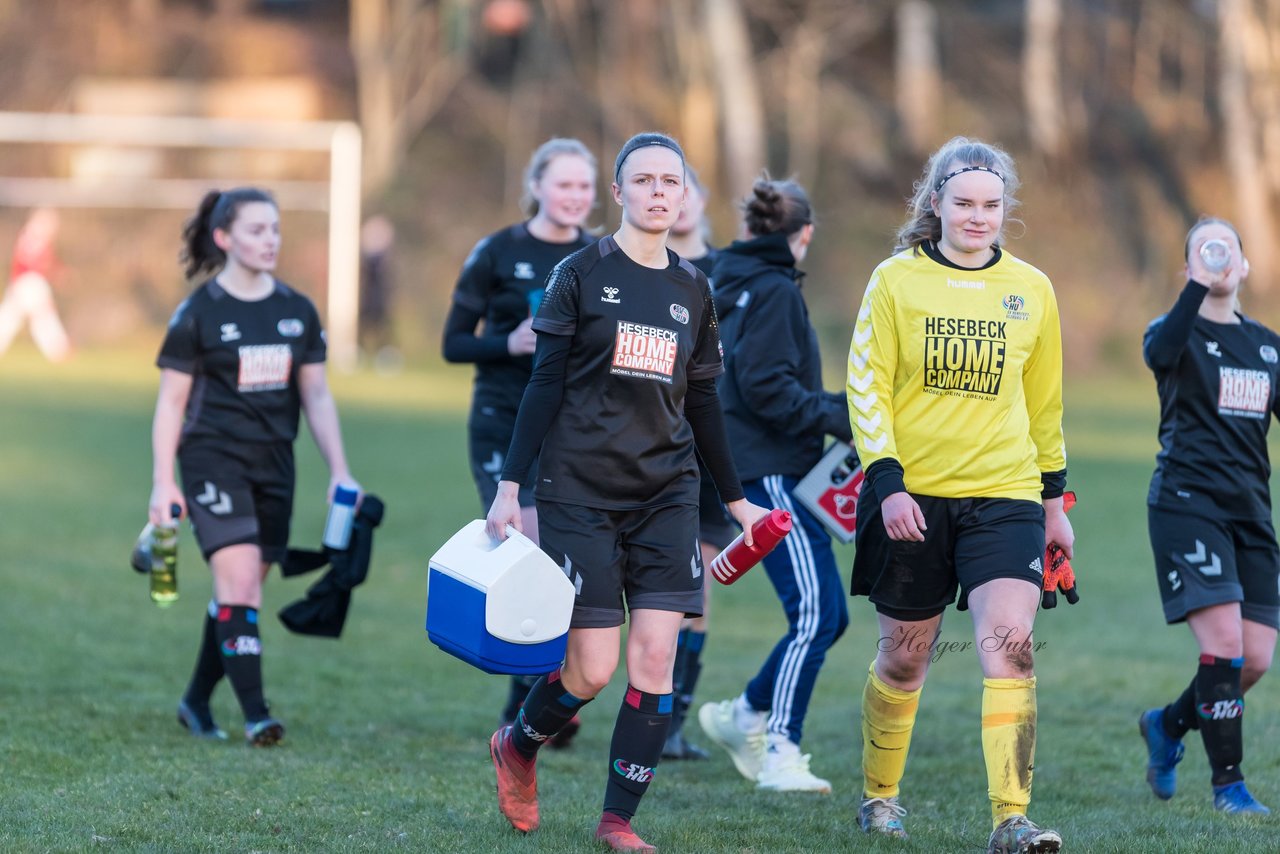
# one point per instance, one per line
(1009, 744)
(888, 716)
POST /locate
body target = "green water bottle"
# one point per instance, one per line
(164, 561)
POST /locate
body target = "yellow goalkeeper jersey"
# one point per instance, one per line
(957, 375)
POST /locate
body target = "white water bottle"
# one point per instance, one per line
(342, 513)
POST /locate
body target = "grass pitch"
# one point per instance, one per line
(386, 746)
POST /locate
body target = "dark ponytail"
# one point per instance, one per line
(217, 209)
(776, 207)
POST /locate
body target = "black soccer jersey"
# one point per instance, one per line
(1217, 386)
(706, 263)
(244, 358)
(502, 281)
(620, 439)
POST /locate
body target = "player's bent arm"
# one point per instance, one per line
(322, 418)
(166, 429)
(1167, 337)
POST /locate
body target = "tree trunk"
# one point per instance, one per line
(916, 74)
(1041, 90)
(742, 132)
(1240, 139)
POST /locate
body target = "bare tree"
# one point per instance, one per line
(916, 73)
(1041, 90)
(743, 124)
(1237, 26)
(405, 67)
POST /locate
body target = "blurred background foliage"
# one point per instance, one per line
(1128, 120)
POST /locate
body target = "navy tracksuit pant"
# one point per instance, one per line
(804, 575)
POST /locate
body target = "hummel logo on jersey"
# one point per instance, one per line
(1212, 348)
(1036, 566)
(230, 332)
(524, 270)
(610, 295)
(632, 771)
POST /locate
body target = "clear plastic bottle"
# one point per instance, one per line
(1216, 255)
(164, 562)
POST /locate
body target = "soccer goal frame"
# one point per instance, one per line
(339, 197)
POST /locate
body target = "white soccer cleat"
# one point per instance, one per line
(789, 772)
(746, 749)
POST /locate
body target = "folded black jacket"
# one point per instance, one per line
(324, 610)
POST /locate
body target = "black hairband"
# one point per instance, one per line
(950, 175)
(643, 140)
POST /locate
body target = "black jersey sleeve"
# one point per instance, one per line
(558, 314)
(180, 349)
(538, 406)
(1167, 336)
(461, 344)
(315, 348)
(707, 360)
(476, 279)
(702, 411)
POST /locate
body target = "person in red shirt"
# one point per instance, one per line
(29, 298)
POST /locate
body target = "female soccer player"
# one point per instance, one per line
(688, 239)
(501, 285)
(777, 416)
(955, 393)
(623, 388)
(243, 355)
(1209, 512)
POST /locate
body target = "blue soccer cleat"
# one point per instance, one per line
(199, 721)
(1163, 754)
(1235, 798)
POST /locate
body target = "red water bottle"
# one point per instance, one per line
(732, 563)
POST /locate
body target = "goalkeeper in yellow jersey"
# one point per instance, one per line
(955, 394)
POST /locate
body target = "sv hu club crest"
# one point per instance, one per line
(1013, 302)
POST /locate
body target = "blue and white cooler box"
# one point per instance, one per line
(502, 607)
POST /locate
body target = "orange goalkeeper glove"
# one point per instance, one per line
(1058, 574)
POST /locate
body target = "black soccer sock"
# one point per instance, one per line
(687, 670)
(1180, 715)
(545, 712)
(209, 670)
(242, 657)
(517, 690)
(638, 736)
(1220, 707)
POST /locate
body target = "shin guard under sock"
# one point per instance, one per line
(1009, 744)
(1180, 715)
(687, 670)
(545, 712)
(888, 717)
(241, 648)
(636, 747)
(1220, 708)
(209, 670)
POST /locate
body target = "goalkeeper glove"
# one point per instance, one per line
(1058, 574)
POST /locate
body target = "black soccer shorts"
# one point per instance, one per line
(489, 430)
(969, 541)
(625, 559)
(1202, 562)
(237, 493)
